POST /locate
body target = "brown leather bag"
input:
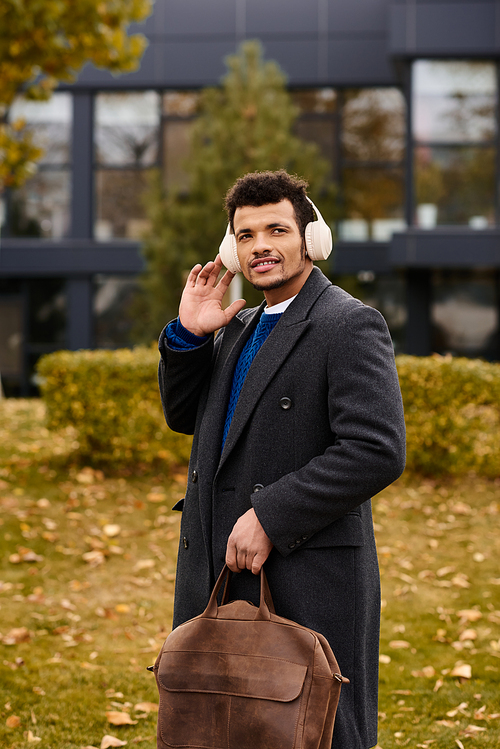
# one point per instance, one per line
(241, 677)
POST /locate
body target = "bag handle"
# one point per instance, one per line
(266, 605)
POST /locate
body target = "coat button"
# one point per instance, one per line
(291, 546)
(257, 487)
(285, 403)
(194, 477)
(185, 542)
(304, 538)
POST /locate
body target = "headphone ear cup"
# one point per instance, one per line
(318, 237)
(229, 253)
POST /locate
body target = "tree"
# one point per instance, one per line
(43, 42)
(243, 125)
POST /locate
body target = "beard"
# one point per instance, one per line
(277, 284)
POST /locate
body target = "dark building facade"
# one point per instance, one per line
(402, 96)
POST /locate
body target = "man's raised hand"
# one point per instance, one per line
(200, 310)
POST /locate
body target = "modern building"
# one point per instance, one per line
(401, 96)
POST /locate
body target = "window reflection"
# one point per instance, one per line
(113, 310)
(455, 186)
(50, 124)
(465, 313)
(455, 154)
(11, 337)
(454, 101)
(373, 204)
(41, 207)
(176, 146)
(127, 128)
(315, 100)
(180, 103)
(120, 204)
(373, 127)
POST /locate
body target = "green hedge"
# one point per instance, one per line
(452, 411)
(111, 397)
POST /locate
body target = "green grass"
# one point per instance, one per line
(93, 608)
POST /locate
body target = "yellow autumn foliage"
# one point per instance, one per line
(112, 399)
(452, 412)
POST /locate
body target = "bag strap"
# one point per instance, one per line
(266, 605)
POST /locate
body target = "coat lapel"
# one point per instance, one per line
(271, 356)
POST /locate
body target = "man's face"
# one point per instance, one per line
(271, 250)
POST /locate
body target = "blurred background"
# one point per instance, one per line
(400, 98)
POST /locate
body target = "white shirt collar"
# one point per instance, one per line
(278, 308)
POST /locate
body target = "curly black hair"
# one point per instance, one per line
(262, 188)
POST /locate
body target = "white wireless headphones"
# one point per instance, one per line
(317, 235)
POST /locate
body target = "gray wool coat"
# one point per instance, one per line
(318, 429)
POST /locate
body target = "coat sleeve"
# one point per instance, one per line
(182, 376)
(367, 451)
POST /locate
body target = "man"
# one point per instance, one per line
(297, 419)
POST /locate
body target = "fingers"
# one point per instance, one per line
(206, 275)
(231, 556)
(193, 275)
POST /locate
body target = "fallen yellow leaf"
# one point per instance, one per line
(117, 718)
(93, 558)
(111, 530)
(13, 721)
(399, 644)
(470, 615)
(108, 741)
(462, 670)
(146, 707)
(471, 730)
(17, 635)
(468, 634)
(32, 739)
(459, 709)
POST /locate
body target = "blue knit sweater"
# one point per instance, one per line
(261, 332)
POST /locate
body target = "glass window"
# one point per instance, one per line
(454, 131)
(11, 337)
(373, 125)
(322, 132)
(372, 153)
(47, 313)
(179, 111)
(454, 101)
(176, 147)
(373, 204)
(127, 128)
(50, 123)
(113, 310)
(315, 100)
(180, 103)
(120, 203)
(41, 207)
(465, 313)
(455, 186)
